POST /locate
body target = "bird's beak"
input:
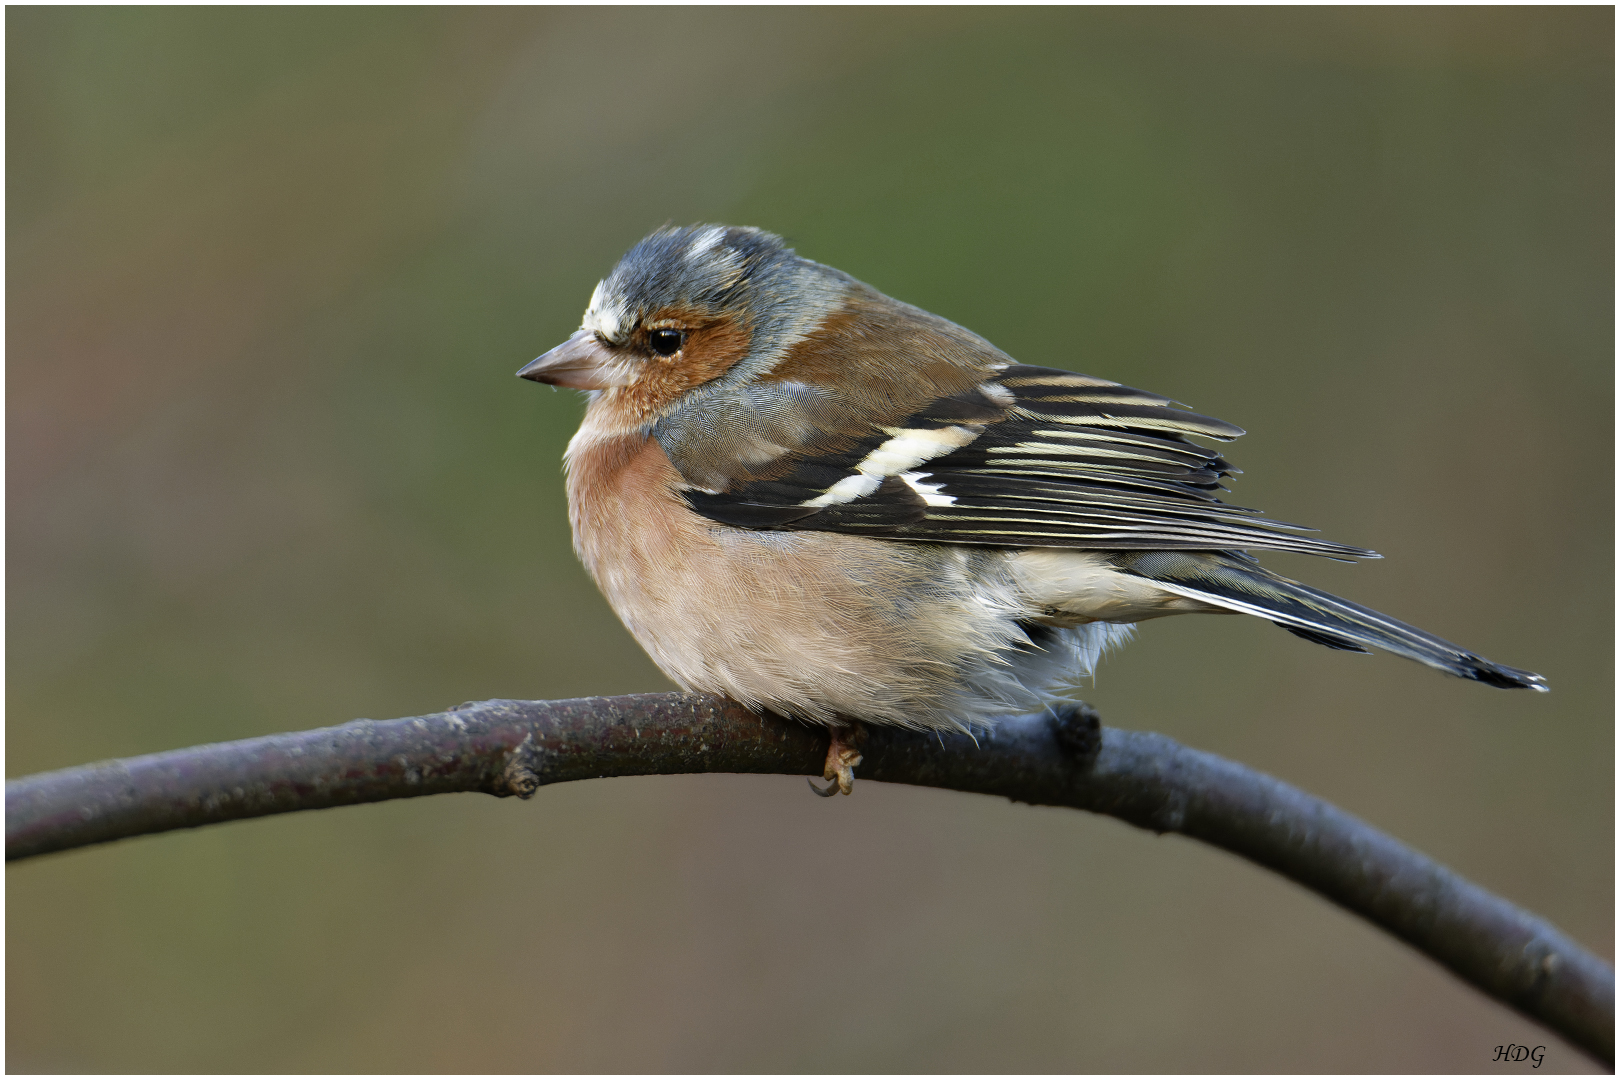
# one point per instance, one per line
(581, 363)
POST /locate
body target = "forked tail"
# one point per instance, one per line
(1237, 583)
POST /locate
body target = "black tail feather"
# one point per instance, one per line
(1239, 584)
(1342, 644)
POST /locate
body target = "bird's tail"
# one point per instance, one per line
(1237, 583)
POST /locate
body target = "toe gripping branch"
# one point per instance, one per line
(843, 754)
(1074, 723)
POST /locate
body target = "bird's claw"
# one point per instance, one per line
(842, 757)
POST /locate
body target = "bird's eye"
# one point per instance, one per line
(666, 342)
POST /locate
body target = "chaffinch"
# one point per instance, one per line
(815, 499)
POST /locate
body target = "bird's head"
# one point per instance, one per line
(686, 306)
(694, 312)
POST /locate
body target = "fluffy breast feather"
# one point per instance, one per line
(813, 625)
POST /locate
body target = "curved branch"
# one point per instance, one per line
(1062, 758)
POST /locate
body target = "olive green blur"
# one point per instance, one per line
(270, 273)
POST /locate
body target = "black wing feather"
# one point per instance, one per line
(1055, 459)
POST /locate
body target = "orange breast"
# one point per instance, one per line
(810, 624)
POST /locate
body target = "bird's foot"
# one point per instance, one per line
(842, 757)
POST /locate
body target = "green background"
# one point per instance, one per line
(270, 273)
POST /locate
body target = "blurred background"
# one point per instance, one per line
(271, 271)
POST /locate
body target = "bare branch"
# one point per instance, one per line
(1063, 758)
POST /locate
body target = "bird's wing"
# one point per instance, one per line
(1031, 457)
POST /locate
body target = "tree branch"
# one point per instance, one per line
(1062, 758)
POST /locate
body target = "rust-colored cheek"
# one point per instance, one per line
(710, 350)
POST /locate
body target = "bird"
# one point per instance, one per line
(805, 495)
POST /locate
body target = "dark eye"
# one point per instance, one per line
(666, 342)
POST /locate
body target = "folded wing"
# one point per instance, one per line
(1032, 457)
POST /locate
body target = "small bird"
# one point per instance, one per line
(817, 500)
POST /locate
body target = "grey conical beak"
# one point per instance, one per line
(581, 363)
